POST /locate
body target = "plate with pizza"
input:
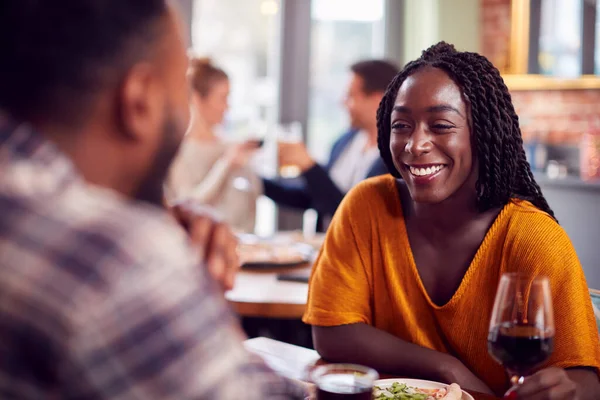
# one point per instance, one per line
(273, 255)
(416, 389)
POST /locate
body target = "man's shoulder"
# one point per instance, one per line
(137, 229)
(346, 136)
(340, 144)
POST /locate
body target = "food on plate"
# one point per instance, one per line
(401, 391)
(315, 240)
(270, 254)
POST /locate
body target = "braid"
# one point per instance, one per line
(504, 172)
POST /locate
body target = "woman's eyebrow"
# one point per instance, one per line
(432, 109)
(443, 107)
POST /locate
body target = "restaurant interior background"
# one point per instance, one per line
(288, 61)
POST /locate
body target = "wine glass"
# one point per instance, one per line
(521, 335)
(255, 136)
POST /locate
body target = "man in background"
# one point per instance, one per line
(102, 295)
(354, 156)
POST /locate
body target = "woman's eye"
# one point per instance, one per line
(399, 125)
(442, 126)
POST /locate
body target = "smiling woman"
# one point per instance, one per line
(502, 168)
(425, 117)
(417, 260)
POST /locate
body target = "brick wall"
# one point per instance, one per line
(495, 31)
(560, 116)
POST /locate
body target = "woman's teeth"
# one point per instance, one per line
(425, 171)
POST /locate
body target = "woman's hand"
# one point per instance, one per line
(547, 384)
(239, 154)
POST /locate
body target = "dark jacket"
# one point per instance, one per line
(314, 188)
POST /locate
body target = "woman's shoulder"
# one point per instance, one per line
(199, 153)
(533, 234)
(196, 146)
(527, 219)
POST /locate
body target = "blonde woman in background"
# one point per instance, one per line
(209, 170)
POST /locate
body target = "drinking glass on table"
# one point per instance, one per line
(344, 381)
(521, 335)
(289, 133)
(253, 142)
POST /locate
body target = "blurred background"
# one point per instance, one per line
(288, 61)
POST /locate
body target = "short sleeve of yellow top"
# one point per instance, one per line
(366, 274)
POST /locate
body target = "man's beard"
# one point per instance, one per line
(151, 188)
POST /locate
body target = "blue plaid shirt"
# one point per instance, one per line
(102, 297)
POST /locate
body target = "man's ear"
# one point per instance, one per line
(141, 102)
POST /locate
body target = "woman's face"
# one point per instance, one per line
(430, 137)
(213, 106)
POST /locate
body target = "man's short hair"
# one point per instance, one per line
(54, 55)
(376, 74)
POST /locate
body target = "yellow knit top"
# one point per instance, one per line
(366, 274)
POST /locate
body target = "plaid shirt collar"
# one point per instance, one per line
(38, 164)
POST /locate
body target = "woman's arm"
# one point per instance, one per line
(363, 344)
(215, 178)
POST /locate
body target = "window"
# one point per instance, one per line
(560, 38)
(342, 32)
(597, 40)
(243, 38)
(564, 38)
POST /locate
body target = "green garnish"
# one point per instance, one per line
(398, 391)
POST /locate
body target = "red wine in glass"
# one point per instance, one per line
(520, 348)
(521, 334)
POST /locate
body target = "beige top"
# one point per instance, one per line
(201, 173)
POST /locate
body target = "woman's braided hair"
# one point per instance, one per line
(504, 172)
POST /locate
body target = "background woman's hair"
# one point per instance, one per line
(504, 172)
(204, 74)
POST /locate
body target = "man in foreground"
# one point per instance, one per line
(102, 295)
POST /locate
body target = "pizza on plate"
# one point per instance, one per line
(401, 391)
(270, 254)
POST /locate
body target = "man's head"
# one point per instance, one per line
(368, 83)
(105, 79)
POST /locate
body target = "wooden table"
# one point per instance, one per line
(260, 294)
(294, 362)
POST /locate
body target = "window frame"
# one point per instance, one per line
(524, 18)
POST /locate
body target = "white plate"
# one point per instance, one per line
(417, 383)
